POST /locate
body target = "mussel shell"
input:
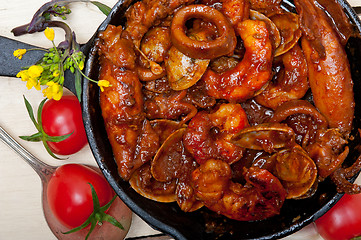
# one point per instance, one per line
(265, 136)
(165, 163)
(271, 26)
(289, 28)
(299, 174)
(136, 183)
(183, 71)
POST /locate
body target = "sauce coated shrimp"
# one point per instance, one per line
(249, 75)
(289, 84)
(261, 197)
(208, 134)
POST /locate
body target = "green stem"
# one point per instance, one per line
(81, 72)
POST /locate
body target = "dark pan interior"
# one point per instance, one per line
(167, 217)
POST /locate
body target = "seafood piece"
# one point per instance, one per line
(197, 95)
(328, 151)
(173, 162)
(290, 32)
(183, 71)
(208, 134)
(186, 198)
(303, 118)
(143, 183)
(261, 197)
(272, 28)
(296, 171)
(224, 44)
(144, 14)
(154, 46)
(250, 74)
(328, 67)
(164, 128)
(169, 106)
(265, 136)
(235, 10)
(157, 86)
(267, 7)
(256, 113)
(132, 138)
(156, 43)
(341, 176)
(289, 84)
(119, 51)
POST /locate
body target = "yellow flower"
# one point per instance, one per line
(56, 73)
(33, 82)
(24, 75)
(81, 65)
(35, 71)
(54, 90)
(49, 33)
(30, 80)
(102, 84)
(19, 53)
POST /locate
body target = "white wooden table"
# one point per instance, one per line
(21, 214)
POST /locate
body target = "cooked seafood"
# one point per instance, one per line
(329, 71)
(233, 105)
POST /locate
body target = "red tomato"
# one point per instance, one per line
(69, 193)
(343, 221)
(63, 117)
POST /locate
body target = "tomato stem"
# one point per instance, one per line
(98, 216)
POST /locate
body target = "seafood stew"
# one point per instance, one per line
(285, 215)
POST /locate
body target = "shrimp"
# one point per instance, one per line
(328, 66)
(290, 83)
(208, 134)
(261, 197)
(249, 75)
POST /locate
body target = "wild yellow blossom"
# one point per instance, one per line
(35, 71)
(56, 73)
(19, 53)
(102, 84)
(24, 75)
(49, 33)
(33, 82)
(54, 90)
(29, 79)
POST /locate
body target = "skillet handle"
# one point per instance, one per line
(10, 65)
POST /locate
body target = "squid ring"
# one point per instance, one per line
(222, 45)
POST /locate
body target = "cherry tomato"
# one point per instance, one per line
(342, 221)
(63, 117)
(69, 193)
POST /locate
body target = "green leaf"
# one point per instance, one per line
(37, 137)
(77, 83)
(30, 110)
(98, 215)
(50, 152)
(113, 221)
(102, 7)
(40, 109)
(57, 138)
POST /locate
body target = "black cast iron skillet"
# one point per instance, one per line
(167, 217)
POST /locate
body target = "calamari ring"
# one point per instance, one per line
(222, 45)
